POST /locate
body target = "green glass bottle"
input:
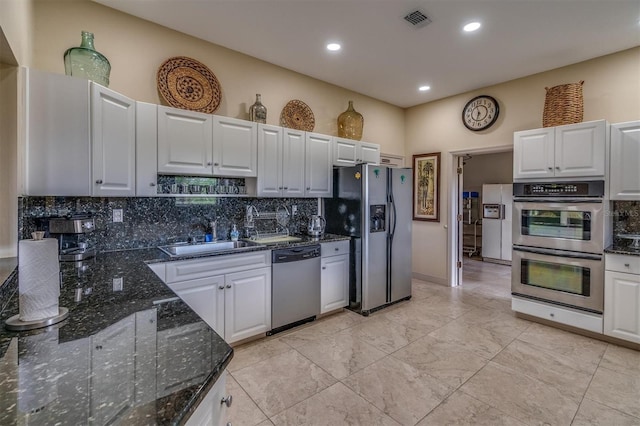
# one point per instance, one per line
(86, 62)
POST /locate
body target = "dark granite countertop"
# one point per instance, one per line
(128, 354)
(622, 249)
(133, 354)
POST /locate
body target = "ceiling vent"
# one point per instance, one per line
(418, 19)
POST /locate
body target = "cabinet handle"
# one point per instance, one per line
(152, 184)
(99, 181)
(557, 167)
(550, 168)
(99, 347)
(324, 267)
(221, 287)
(279, 187)
(552, 315)
(626, 265)
(337, 248)
(227, 400)
(209, 163)
(228, 285)
(216, 164)
(308, 188)
(286, 187)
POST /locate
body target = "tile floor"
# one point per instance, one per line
(448, 356)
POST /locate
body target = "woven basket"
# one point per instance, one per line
(563, 104)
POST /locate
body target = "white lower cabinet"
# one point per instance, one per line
(231, 293)
(622, 297)
(212, 409)
(334, 276)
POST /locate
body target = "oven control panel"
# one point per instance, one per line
(559, 189)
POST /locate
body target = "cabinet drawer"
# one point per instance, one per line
(199, 268)
(335, 248)
(622, 263)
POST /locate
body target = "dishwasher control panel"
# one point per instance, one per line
(295, 254)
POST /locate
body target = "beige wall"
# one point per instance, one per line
(16, 23)
(136, 48)
(8, 160)
(611, 92)
(487, 168)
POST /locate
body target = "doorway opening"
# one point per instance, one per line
(479, 244)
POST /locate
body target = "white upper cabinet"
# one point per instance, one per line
(56, 147)
(347, 152)
(624, 174)
(185, 142)
(113, 135)
(146, 149)
(293, 163)
(269, 161)
(235, 151)
(369, 153)
(573, 150)
(318, 170)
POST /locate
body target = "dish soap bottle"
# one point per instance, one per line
(234, 233)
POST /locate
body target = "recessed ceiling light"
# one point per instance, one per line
(424, 88)
(472, 26)
(333, 47)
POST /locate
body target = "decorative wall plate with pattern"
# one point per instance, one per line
(188, 84)
(297, 115)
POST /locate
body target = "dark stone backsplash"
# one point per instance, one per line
(626, 220)
(149, 222)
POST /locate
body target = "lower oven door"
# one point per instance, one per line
(559, 224)
(561, 277)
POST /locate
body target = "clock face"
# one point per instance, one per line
(480, 113)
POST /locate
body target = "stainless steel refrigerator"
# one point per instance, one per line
(372, 204)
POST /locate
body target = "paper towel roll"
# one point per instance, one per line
(38, 279)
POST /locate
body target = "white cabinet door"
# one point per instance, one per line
(56, 150)
(235, 147)
(369, 153)
(334, 284)
(293, 159)
(184, 142)
(206, 297)
(112, 367)
(533, 153)
(211, 411)
(269, 161)
(624, 182)
(113, 140)
(622, 306)
(318, 165)
(175, 346)
(247, 304)
(580, 149)
(146, 149)
(345, 152)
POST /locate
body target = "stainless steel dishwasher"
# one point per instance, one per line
(295, 281)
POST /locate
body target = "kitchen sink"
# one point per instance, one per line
(183, 249)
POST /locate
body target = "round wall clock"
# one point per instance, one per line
(480, 113)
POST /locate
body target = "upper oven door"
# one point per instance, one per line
(563, 225)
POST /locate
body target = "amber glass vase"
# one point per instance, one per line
(86, 62)
(350, 124)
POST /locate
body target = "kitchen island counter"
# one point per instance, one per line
(130, 352)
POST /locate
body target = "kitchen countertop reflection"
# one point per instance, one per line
(129, 353)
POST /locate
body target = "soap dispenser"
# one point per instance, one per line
(234, 233)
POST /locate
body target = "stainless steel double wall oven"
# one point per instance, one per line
(558, 243)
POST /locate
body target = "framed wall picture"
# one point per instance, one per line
(426, 187)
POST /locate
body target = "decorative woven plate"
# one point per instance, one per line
(297, 115)
(188, 84)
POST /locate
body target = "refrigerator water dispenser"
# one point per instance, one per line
(377, 221)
